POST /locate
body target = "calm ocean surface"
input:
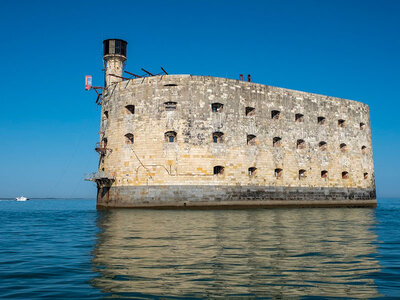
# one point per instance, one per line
(67, 249)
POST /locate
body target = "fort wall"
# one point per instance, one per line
(183, 140)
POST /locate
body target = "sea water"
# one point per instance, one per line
(65, 248)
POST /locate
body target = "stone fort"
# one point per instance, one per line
(184, 141)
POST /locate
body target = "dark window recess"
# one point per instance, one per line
(343, 147)
(321, 120)
(299, 117)
(129, 138)
(278, 173)
(365, 175)
(322, 146)
(217, 107)
(106, 114)
(250, 111)
(218, 170)
(130, 109)
(341, 123)
(345, 175)
(276, 141)
(170, 136)
(275, 114)
(364, 150)
(251, 139)
(300, 144)
(104, 143)
(252, 171)
(170, 105)
(324, 174)
(302, 174)
(362, 126)
(218, 137)
(170, 84)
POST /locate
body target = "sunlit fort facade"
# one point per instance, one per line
(184, 141)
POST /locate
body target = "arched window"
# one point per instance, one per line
(251, 139)
(341, 123)
(106, 114)
(299, 117)
(322, 146)
(130, 109)
(170, 136)
(217, 107)
(365, 175)
(345, 175)
(275, 114)
(278, 173)
(324, 174)
(300, 144)
(218, 137)
(343, 147)
(364, 150)
(321, 120)
(219, 170)
(302, 174)
(252, 171)
(362, 126)
(250, 111)
(129, 138)
(276, 141)
(170, 105)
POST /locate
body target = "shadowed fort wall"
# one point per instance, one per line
(149, 169)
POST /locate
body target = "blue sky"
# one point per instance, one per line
(49, 123)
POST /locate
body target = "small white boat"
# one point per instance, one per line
(22, 198)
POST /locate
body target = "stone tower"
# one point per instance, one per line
(114, 56)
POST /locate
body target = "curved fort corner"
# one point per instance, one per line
(203, 142)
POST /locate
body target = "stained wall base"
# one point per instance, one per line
(227, 197)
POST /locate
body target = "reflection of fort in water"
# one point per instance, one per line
(321, 252)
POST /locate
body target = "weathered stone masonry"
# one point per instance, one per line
(200, 141)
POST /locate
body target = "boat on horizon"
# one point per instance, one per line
(22, 198)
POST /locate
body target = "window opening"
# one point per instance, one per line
(252, 171)
(250, 111)
(276, 141)
(129, 138)
(170, 84)
(302, 174)
(251, 139)
(106, 114)
(345, 175)
(217, 107)
(364, 150)
(365, 175)
(343, 147)
(170, 105)
(322, 146)
(299, 117)
(130, 109)
(362, 126)
(324, 174)
(300, 144)
(321, 120)
(341, 123)
(218, 137)
(278, 173)
(275, 114)
(170, 136)
(104, 142)
(218, 170)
